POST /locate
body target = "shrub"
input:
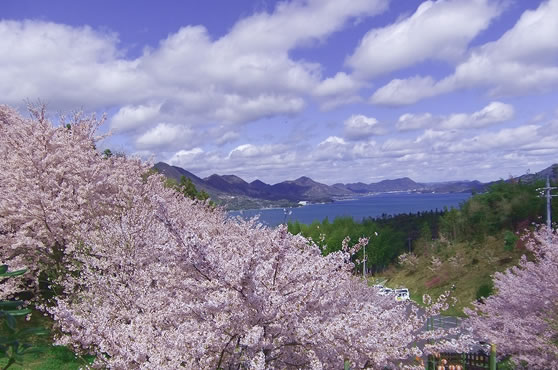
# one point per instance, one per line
(485, 290)
(510, 240)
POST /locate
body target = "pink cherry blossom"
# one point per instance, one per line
(522, 317)
(148, 279)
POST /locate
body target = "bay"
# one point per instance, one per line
(358, 208)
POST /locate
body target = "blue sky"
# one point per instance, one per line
(338, 90)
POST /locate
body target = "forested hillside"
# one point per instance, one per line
(456, 249)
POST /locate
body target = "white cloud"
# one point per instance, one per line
(191, 78)
(163, 136)
(296, 23)
(333, 140)
(64, 65)
(227, 137)
(409, 121)
(366, 149)
(332, 148)
(436, 141)
(394, 147)
(340, 84)
(337, 90)
(522, 61)
(130, 116)
(252, 151)
(358, 127)
(238, 108)
(437, 30)
(495, 112)
(508, 138)
(193, 89)
(185, 158)
(406, 91)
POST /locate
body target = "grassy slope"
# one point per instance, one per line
(463, 265)
(50, 357)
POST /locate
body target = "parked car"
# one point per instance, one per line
(402, 296)
(378, 286)
(402, 290)
(385, 291)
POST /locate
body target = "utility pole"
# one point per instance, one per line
(546, 192)
(364, 263)
(364, 258)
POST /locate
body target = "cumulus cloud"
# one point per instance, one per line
(410, 121)
(332, 148)
(495, 112)
(289, 24)
(131, 116)
(407, 91)
(163, 136)
(185, 158)
(337, 90)
(522, 60)
(420, 36)
(238, 108)
(358, 127)
(188, 79)
(440, 154)
(66, 65)
(192, 89)
(227, 137)
(251, 151)
(508, 138)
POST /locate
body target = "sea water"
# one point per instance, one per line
(358, 208)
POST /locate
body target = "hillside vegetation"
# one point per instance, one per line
(457, 250)
(463, 268)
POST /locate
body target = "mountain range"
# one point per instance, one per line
(234, 193)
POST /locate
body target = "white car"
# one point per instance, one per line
(385, 291)
(402, 290)
(402, 296)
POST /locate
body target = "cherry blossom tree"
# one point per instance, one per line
(522, 317)
(151, 279)
(53, 187)
(174, 284)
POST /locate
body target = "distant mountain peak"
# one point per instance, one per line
(233, 179)
(304, 180)
(304, 188)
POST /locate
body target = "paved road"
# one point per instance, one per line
(446, 322)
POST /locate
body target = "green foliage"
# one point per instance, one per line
(53, 358)
(476, 241)
(485, 290)
(505, 206)
(425, 232)
(451, 224)
(187, 187)
(510, 239)
(46, 356)
(14, 342)
(389, 235)
(385, 243)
